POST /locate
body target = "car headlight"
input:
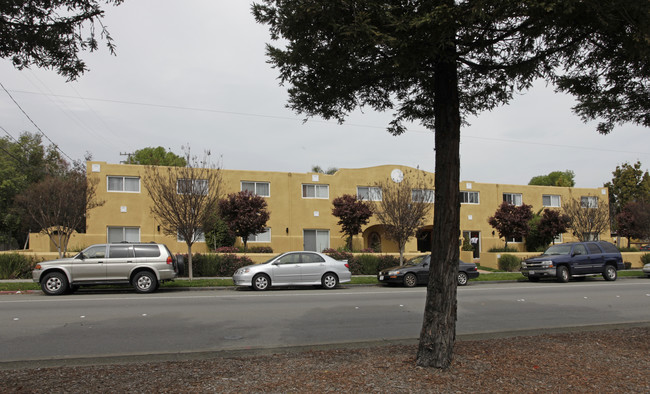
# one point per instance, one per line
(390, 273)
(524, 265)
(547, 264)
(242, 271)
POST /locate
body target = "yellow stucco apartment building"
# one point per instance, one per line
(300, 206)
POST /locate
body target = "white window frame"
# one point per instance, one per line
(373, 193)
(201, 237)
(124, 233)
(197, 184)
(123, 181)
(558, 239)
(320, 234)
(589, 201)
(515, 199)
(592, 237)
(465, 197)
(255, 187)
(263, 237)
(550, 200)
(423, 195)
(317, 190)
(513, 240)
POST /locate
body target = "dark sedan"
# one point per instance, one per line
(416, 271)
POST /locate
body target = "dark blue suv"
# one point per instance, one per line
(575, 259)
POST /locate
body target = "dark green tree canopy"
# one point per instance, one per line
(630, 183)
(50, 33)
(555, 178)
(156, 157)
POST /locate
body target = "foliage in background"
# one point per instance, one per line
(629, 183)
(353, 213)
(634, 221)
(555, 178)
(509, 263)
(501, 250)
(16, 266)
(511, 221)
(584, 221)
(50, 34)
(319, 170)
(245, 214)
(544, 228)
(156, 157)
(645, 259)
(219, 265)
(217, 233)
(364, 264)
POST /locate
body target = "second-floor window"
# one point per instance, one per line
(262, 189)
(192, 186)
(469, 197)
(512, 198)
(422, 195)
(589, 201)
(315, 191)
(127, 184)
(369, 193)
(549, 200)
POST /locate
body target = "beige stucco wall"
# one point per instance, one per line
(291, 214)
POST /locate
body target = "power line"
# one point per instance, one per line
(34, 123)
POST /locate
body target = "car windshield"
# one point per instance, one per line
(416, 260)
(557, 250)
(273, 258)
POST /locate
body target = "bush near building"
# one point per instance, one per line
(16, 266)
(509, 263)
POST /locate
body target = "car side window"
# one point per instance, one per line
(579, 249)
(312, 258)
(293, 258)
(147, 250)
(94, 252)
(120, 251)
(593, 249)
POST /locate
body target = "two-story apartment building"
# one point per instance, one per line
(300, 206)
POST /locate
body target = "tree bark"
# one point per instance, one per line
(438, 333)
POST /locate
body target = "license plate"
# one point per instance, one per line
(531, 272)
(381, 277)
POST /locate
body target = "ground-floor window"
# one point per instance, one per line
(123, 234)
(474, 239)
(316, 240)
(264, 236)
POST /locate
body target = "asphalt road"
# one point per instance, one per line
(98, 324)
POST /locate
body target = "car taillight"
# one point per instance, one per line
(169, 259)
(347, 265)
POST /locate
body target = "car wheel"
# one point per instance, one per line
(562, 274)
(533, 278)
(462, 278)
(55, 283)
(261, 282)
(145, 282)
(410, 280)
(329, 281)
(610, 273)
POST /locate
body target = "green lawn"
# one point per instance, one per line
(356, 280)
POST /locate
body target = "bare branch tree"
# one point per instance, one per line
(184, 198)
(403, 208)
(587, 217)
(59, 205)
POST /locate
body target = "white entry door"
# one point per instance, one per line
(316, 240)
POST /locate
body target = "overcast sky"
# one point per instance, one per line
(195, 73)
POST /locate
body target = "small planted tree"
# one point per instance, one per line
(403, 208)
(585, 221)
(245, 214)
(59, 205)
(184, 198)
(352, 213)
(511, 221)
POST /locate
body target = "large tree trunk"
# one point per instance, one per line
(438, 332)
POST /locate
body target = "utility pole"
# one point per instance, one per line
(126, 154)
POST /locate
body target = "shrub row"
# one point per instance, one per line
(364, 264)
(240, 249)
(16, 266)
(206, 265)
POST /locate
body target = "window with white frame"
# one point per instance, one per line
(589, 201)
(369, 193)
(198, 236)
(422, 195)
(515, 240)
(513, 198)
(262, 189)
(264, 236)
(558, 239)
(551, 200)
(315, 191)
(122, 234)
(592, 237)
(127, 184)
(192, 186)
(469, 197)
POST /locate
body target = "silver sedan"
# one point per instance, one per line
(294, 268)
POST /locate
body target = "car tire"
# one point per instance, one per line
(410, 280)
(55, 283)
(261, 282)
(329, 281)
(562, 274)
(610, 273)
(533, 278)
(462, 278)
(145, 282)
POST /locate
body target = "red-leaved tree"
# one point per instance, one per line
(352, 213)
(245, 214)
(552, 224)
(511, 221)
(634, 221)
